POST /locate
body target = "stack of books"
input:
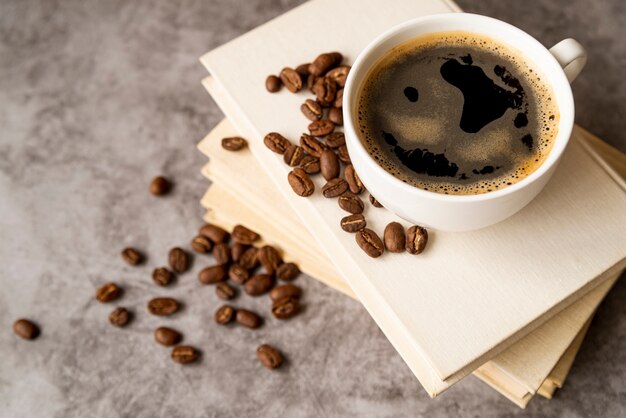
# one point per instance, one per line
(510, 303)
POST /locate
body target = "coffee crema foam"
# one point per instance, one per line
(456, 113)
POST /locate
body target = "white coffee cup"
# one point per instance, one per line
(559, 65)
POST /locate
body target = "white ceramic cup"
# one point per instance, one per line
(559, 65)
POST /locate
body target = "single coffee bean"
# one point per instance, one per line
(416, 239)
(225, 314)
(311, 145)
(221, 253)
(353, 223)
(325, 62)
(201, 244)
(234, 143)
(237, 250)
(303, 70)
(329, 164)
(248, 319)
(162, 276)
(286, 308)
(243, 235)
(287, 271)
(212, 274)
(270, 259)
(238, 274)
(375, 202)
(310, 164)
(259, 284)
(291, 79)
(108, 292)
(325, 89)
(119, 317)
(185, 354)
(338, 103)
(335, 115)
(310, 82)
(248, 259)
(276, 142)
(394, 238)
(132, 256)
(284, 291)
(269, 357)
(273, 83)
(351, 203)
(344, 156)
(163, 306)
(339, 75)
(336, 139)
(167, 336)
(293, 156)
(225, 291)
(369, 242)
(160, 186)
(312, 110)
(214, 233)
(335, 187)
(353, 180)
(300, 182)
(179, 260)
(26, 329)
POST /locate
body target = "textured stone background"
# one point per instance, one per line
(96, 97)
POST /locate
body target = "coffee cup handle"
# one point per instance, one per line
(572, 57)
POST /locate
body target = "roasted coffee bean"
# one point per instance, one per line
(238, 274)
(369, 242)
(212, 274)
(335, 187)
(179, 260)
(287, 271)
(237, 250)
(351, 203)
(162, 276)
(132, 256)
(394, 238)
(293, 156)
(375, 202)
(221, 253)
(273, 83)
(167, 336)
(248, 319)
(310, 82)
(234, 143)
(310, 164)
(248, 259)
(291, 79)
(201, 244)
(243, 235)
(339, 75)
(335, 115)
(160, 186)
(303, 70)
(225, 314)
(269, 357)
(329, 164)
(108, 292)
(312, 145)
(276, 142)
(163, 306)
(225, 291)
(259, 284)
(185, 354)
(300, 182)
(312, 110)
(286, 308)
(325, 62)
(354, 182)
(284, 291)
(344, 156)
(353, 223)
(270, 259)
(336, 139)
(338, 103)
(325, 91)
(26, 329)
(416, 239)
(214, 233)
(119, 317)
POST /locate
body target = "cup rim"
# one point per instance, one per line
(566, 120)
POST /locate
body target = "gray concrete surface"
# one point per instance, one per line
(96, 97)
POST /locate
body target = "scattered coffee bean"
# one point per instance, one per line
(311, 145)
(163, 306)
(225, 314)
(119, 317)
(300, 182)
(212, 274)
(132, 256)
(214, 233)
(26, 329)
(108, 292)
(353, 223)
(338, 99)
(238, 274)
(185, 354)
(167, 336)
(273, 83)
(394, 238)
(270, 259)
(325, 62)
(303, 70)
(162, 276)
(243, 235)
(201, 244)
(286, 308)
(310, 164)
(375, 202)
(351, 203)
(237, 250)
(179, 260)
(291, 79)
(339, 75)
(325, 89)
(293, 156)
(369, 242)
(310, 82)
(287, 271)
(353, 180)
(321, 127)
(335, 187)
(234, 143)
(160, 186)
(329, 164)
(335, 115)
(276, 142)
(344, 156)
(248, 319)
(259, 284)
(336, 139)
(269, 357)
(248, 259)
(312, 110)
(284, 291)
(416, 239)
(221, 253)
(225, 291)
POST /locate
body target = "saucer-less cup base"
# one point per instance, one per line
(559, 66)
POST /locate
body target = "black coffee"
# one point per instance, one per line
(456, 113)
